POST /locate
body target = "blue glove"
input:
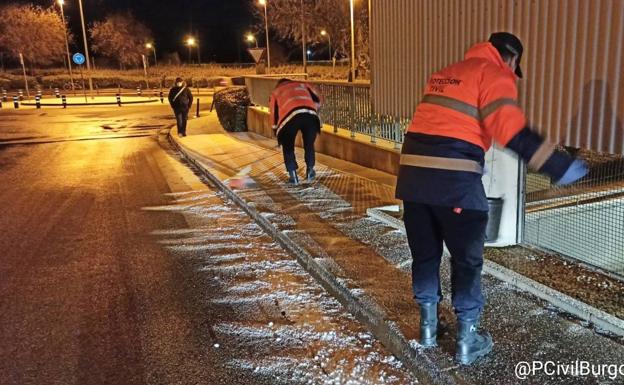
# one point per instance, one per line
(576, 171)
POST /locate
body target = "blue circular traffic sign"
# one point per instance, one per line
(78, 58)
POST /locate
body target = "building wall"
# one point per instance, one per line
(573, 89)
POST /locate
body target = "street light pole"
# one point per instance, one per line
(86, 47)
(303, 39)
(324, 33)
(69, 66)
(153, 48)
(352, 41)
(266, 29)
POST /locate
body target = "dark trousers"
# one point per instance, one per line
(309, 126)
(181, 119)
(427, 227)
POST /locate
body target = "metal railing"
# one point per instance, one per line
(346, 106)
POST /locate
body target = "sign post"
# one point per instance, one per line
(258, 55)
(21, 57)
(79, 59)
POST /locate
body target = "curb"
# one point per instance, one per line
(89, 104)
(421, 365)
(582, 310)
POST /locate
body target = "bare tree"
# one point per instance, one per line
(330, 15)
(36, 33)
(120, 37)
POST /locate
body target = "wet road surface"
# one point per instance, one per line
(120, 266)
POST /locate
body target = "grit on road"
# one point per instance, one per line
(120, 265)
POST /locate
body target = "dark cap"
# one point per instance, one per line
(506, 43)
(178, 80)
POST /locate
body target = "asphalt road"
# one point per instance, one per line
(119, 265)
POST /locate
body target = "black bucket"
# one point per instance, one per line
(494, 217)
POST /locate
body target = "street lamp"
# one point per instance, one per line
(71, 77)
(153, 48)
(324, 33)
(251, 38)
(266, 30)
(86, 48)
(309, 53)
(351, 6)
(190, 42)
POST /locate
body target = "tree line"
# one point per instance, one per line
(39, 35)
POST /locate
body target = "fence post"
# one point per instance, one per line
(372, 121)
(64, 101)
(352, 111)
(334, 108)
(197, 114)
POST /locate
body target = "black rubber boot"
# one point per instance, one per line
(310, 174)
(471, 345)
(293, 177)
(429, 324)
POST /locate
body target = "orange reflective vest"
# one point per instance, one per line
(474, 100)
(291, 98)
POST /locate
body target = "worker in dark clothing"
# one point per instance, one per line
(294, 107)
(181, 100)
(465, 106)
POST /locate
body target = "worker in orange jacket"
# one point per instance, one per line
(465, 106)
(294, 107)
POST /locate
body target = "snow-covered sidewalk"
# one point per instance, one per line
(366, 264)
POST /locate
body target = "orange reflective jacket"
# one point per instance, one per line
(291, 98)
(474, 100)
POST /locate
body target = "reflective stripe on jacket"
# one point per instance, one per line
(465, 106)
(291, 98)
(474, 100)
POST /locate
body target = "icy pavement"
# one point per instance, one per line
(327, 219)
(271, 319)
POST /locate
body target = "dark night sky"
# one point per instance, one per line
(219, 24)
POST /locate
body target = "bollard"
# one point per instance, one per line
(39, 92)
(139, 91)
(21, 95)
(16, 102)
(162, 97)
(197, 115)
(57, 93)
(64, 101)
(4, 95)
(118, 99)
(38, 101)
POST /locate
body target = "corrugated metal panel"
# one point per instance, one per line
(573, 90)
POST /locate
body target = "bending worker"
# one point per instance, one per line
(294, 106)
(465, 106)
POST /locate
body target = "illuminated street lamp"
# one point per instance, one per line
(266, 30)
(324, 33)
(69, 66)
(153, 48)
(192, 42)
(251, 38)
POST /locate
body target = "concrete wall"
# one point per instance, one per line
(382, 156)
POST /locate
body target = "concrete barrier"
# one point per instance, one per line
(381, 156)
